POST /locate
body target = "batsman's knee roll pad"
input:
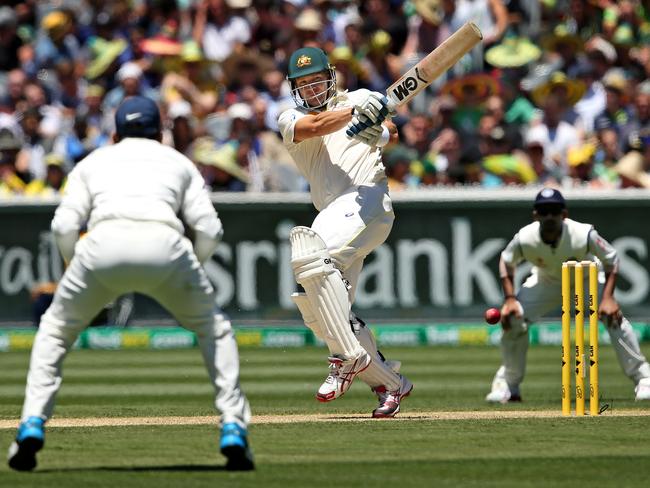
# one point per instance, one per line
(325, 290)
(309, 255)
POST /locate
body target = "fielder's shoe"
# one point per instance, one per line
(500, 392)
(340, 377)
(29, 440)
(642, 389)
(234, 445)
(389, 401)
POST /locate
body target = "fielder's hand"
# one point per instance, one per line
(610, 313)
(511, 307)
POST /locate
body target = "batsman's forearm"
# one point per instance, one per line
(321, 124)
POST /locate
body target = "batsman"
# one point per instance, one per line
(349, 188)
(546, 243)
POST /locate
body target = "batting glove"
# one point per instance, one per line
(364, 131)
(374, 107)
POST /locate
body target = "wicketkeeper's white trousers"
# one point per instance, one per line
(117, 257)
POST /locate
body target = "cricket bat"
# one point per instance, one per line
(431, 67)
(434, 64)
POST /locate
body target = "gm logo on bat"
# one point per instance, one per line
(409, 85)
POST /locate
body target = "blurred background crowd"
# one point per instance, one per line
(557, 94)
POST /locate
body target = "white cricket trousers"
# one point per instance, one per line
(539, 296)
(353, 226)
(120, 256)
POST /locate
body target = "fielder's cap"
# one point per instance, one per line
(137, 117)
(549, 196)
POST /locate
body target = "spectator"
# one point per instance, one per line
(616, 111)
(11, 183)
(220, 31)
(547, 173)
(11, 44)
(193, 82)
(13, 94)
(54, 181)
(634, 167)
(130, 79)
(56, 41)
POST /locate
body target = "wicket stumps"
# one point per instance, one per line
(579, 303)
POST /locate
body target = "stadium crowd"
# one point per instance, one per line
(557, 94)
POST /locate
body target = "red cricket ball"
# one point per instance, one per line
(492, 315)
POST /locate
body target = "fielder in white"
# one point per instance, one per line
(349, 189)
(132, 196)
(547, 243)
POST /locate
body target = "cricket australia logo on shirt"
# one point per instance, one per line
(303, 61)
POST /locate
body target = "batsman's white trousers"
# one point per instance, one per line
(151, 258)
(539, 296)
(353, 225)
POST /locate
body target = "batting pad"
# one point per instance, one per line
(302, 302)
(325, 290)
(379, 374)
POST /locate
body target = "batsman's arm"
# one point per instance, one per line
(321, 124)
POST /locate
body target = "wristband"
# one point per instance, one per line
(510, 296)
(384, 137)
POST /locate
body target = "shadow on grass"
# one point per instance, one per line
(188, 468)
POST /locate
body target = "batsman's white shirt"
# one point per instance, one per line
(333, 164)
(348, 186)
(132, 194)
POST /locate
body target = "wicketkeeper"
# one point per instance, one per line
(549, 241)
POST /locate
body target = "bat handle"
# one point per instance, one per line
(391, 105)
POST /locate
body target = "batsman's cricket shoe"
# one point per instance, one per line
(29, 440)
(234, 445)
(389, 401)
(340, 377)
(642, 389)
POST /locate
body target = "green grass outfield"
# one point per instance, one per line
(299, 442)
